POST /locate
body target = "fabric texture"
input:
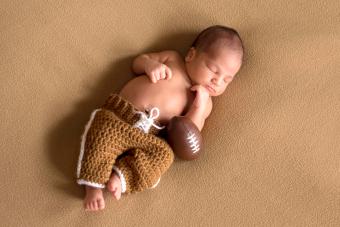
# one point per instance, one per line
(111, 140)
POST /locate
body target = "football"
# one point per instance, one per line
(184, 138)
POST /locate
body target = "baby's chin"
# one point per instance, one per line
(214, 94)
(217, 93)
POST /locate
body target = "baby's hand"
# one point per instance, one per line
(157, 71)
(202, 96)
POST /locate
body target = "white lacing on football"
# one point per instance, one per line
(146, 122)
(193, 141)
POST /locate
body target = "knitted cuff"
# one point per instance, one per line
(155, 185)
(89, 183)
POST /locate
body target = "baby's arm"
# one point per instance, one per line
(200, 108)
(154, 64)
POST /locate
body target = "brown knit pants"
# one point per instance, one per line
(111, 140)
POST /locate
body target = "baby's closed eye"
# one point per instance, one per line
(227, 79)
(212, 69)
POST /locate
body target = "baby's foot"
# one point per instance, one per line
(114, 186)
(94, 199)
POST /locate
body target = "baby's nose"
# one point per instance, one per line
(217, 80)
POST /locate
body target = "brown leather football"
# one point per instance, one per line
(184, 138)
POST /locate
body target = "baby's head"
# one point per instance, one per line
(214, 58)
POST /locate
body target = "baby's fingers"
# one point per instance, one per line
(162, 74)
(168, 73)
(153, 78)
(159, 75)
(195, 88)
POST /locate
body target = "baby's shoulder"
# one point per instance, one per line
(172, 56)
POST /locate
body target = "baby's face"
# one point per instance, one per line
(214, 70)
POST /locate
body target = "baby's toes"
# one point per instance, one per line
(94, 205)
(118, 194)
(101, 204)
(86, 206)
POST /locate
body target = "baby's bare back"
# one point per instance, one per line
(172, 97)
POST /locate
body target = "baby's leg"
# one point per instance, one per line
(101, 145)
(99, 150)
(142, 167)
(94, 199)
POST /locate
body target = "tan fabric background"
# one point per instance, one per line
(271, 144)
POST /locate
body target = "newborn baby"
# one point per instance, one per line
(121, 135)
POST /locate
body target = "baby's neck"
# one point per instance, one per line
(188, 81)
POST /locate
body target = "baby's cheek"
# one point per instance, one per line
(222, 90)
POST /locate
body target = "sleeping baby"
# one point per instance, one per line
(120, 149)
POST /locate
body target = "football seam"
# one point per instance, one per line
(193, 142)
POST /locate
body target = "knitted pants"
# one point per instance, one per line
(111, 142)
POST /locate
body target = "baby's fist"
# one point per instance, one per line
(158, 71)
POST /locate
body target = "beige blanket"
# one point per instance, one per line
(272, 146)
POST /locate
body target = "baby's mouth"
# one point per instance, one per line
(211, 89)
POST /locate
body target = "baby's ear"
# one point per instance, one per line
(190, 55)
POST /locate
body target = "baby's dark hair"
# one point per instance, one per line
(211, 35)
